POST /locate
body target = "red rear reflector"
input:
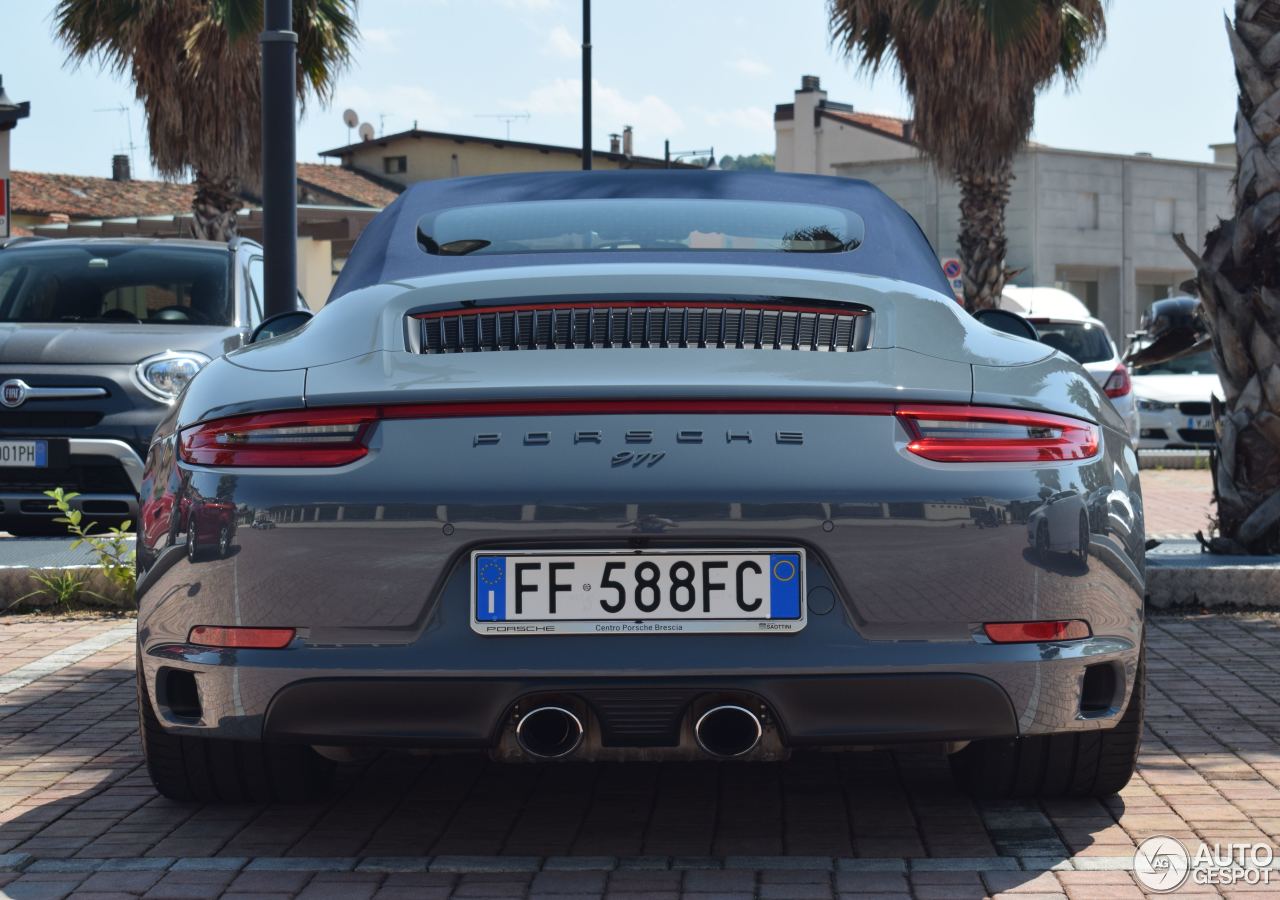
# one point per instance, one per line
(1034, 632)
(989, 434)
(1119, 384)
(242, 638)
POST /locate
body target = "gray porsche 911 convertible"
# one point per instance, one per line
(638, 466)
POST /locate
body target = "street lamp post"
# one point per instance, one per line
(586, 84)
(279, 158)
(10, 113)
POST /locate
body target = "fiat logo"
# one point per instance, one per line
(13, 392)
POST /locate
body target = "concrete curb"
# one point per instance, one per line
(1179, 575)
(1173, 459)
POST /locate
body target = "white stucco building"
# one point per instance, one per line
(1096, 224)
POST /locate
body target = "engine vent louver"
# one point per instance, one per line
(612, 326)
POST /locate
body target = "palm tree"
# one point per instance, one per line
(972, 69)
(1238, 280)
(195, 69)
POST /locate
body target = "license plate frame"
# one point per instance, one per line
(787, 591)
(39, 450)
(1200, 423)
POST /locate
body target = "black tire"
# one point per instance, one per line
(1075, 764)
(1042, 540)
(1084, 538)
(217, 770)
(193, 548)
(224, 542)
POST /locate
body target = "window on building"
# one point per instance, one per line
(1164, 215)
(395, 165)
(1087, 210)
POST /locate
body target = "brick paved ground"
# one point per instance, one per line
(78, 815)
(1177, 501)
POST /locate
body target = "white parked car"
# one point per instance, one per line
(1173, 402)
(1065, 324)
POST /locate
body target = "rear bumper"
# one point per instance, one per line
(808, 710)
(949, 691)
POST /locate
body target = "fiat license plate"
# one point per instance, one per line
(637, 592)
(24, 454)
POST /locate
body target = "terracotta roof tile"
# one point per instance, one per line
(889, 125)
(345, 183)
(85, 197)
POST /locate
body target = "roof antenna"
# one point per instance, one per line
(351, 119)
(506, 117)
(128, 118)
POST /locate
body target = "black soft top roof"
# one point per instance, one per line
(893, 245)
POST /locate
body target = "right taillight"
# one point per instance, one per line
(1118, 383)
(976, 434)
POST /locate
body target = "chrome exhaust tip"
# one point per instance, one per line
(728, 731)
(549, 732)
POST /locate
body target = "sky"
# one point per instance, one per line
(701, 74)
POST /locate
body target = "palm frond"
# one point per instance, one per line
(195, 69)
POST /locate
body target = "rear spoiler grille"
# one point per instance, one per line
(580, 326)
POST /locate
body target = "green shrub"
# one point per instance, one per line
(112, 548)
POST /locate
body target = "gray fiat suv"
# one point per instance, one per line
(98, 337)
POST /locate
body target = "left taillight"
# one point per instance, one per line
(301, 438)
(976, 434)
(1118, 383)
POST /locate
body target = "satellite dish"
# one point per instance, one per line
(350, 118)
(366, 132)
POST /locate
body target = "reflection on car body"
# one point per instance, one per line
(1060, 525)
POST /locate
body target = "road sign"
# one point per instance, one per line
(955, 274)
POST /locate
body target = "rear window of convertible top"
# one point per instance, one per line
(621, 224)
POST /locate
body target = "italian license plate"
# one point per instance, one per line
(24, 454)
(637, 592)
(1201, 423)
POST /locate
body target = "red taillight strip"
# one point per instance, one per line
(1075, 438)
(199, 444)
(622, 407)
(603, 305)
(222, 442)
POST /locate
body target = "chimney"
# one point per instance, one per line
(120, 168)
(615, 143)
(809, 83)
(626, 140)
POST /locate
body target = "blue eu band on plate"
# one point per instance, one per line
(637, 591)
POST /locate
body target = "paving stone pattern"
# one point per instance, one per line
(79, 818)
